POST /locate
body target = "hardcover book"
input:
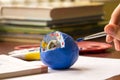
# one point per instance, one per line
(52, 12)
(13, 67)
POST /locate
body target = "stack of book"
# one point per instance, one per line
(51, 16)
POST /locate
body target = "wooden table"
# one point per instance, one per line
(6, 47)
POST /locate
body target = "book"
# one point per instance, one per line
(27, 34)
(14, 67)
(48, 23)
(52, 12)
(0, 14)
(27, 38)
(101, 0)
(24, 29)
(34, 34)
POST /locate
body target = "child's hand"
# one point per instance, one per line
(113, 29)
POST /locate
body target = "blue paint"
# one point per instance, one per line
(61, 58)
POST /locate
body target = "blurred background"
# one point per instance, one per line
(34, 33)
(109, 5)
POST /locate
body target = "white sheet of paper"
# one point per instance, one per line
(86, 68)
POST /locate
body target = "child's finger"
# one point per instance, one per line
(117, 44)
(109, 39)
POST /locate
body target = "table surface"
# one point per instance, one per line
(6, 47)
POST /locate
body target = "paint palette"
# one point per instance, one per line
(92, 46)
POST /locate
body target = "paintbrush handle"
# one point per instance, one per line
(96, 35)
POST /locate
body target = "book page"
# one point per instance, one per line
(86, 68)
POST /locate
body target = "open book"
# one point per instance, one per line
(13, 67)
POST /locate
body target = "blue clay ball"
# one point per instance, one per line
(61, 57)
